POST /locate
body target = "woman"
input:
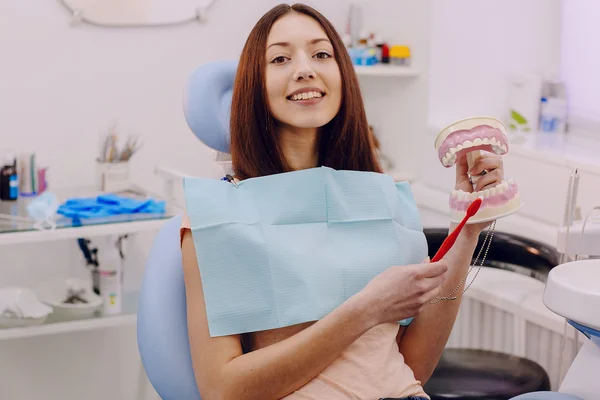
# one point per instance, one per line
(297, 105)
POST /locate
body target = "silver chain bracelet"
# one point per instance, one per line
(489, 235)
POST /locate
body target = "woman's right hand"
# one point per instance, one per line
(402, 291)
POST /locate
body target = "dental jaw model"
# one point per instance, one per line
(469, 138)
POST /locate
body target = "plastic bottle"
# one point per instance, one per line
(110, 271)
(553, 115)
(9, 180)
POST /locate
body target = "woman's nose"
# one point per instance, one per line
(304, 71)
(303, 74)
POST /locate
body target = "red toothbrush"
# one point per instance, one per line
(449, 241)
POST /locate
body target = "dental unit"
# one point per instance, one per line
(573, 292)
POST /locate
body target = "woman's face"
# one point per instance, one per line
(303, 81)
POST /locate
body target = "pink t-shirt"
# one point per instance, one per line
(370, 368)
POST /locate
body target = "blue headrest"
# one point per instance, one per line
(207, 103)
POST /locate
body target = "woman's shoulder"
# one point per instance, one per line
(185, 225)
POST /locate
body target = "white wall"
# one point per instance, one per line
(477, 45)
(580, 63)
(60, 87)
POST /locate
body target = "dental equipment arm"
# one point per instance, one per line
(423, 341)
(223, 371)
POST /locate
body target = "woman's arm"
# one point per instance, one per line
(221, 369)
(423, 341)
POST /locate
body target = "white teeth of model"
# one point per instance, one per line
(492, 191)
(459, 147)
(452, 150)
(467, 144)
(477, 142)
(493, 141)
(474, 195)
(486, 193)
(504, 186)
(486, 141)
(454, 194)
(445, 160)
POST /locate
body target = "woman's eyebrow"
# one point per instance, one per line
(286, 44)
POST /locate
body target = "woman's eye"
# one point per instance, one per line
(323, 54)
(278, 60)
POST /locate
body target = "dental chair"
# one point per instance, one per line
(162, 321)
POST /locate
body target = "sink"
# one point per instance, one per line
(508, 251)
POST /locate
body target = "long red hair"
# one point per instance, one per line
(346, 142)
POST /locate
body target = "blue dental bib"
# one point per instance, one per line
(289, 248)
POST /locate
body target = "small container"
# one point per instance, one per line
(110, 273)
(9, 181)
(364, 38)
(28, 175)
(400, 55)
(113, 176)
(379, 43)
(111, 292)
(385, 54)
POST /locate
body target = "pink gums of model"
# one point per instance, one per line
(487, 138)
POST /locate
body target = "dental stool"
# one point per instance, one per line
(470, 374)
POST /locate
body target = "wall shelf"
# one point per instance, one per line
(385, 70)
(23, 231)
(56, 325)
(36, 236)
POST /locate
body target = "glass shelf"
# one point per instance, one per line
(17, 227)
(55, 324)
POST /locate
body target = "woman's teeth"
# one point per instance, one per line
(305, 96)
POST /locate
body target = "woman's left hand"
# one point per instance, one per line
(494, 175)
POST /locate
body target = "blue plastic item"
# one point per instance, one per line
(590, 333)
(108, 205)
(546, 396)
